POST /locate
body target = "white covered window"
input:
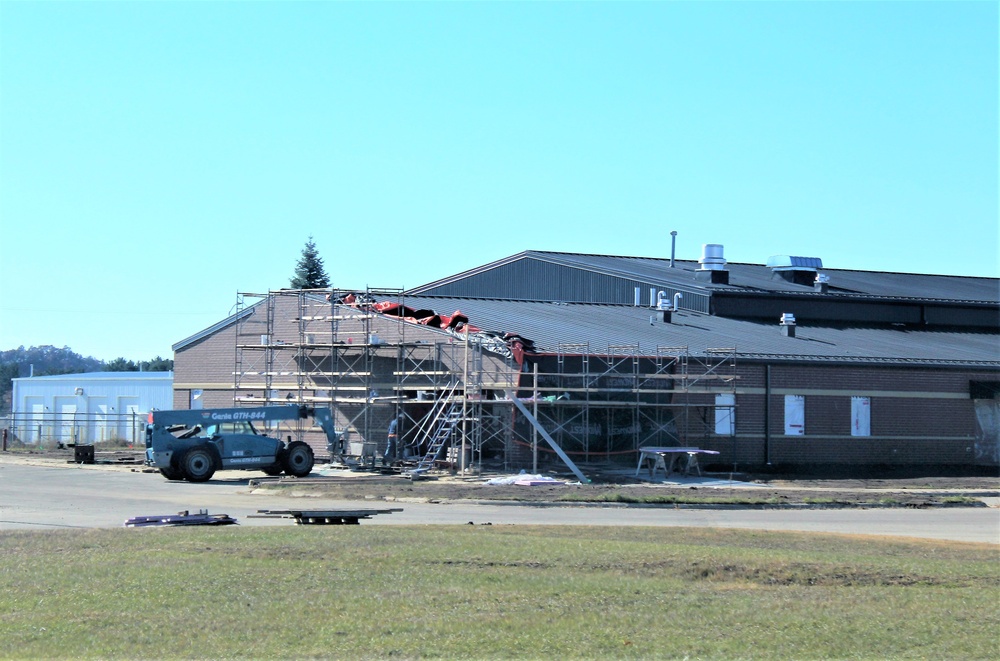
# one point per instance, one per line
(861, 416)
(795, 415)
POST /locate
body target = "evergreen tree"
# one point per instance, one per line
(309, 272)
(121, 365)
(157, 365)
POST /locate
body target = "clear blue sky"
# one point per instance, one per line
(158, 158)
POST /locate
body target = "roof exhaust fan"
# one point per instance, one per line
(664, 305)
(712, 265)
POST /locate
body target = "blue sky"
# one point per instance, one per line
(156, 158)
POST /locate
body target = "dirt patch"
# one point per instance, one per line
(625, 489)
(396, 489)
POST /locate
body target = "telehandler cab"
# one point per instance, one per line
(193, 444)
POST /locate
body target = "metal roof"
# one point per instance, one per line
(602, 326)
(752, 277)
(100, 376)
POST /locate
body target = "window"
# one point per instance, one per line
(861, 416)
(725, 414)
(196, 402)
(795, 415)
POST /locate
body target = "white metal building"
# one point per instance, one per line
(87, 408)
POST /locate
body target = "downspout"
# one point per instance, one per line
(767, 414)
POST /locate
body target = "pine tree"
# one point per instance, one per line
(309, 272)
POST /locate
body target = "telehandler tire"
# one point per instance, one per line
(298, 459)
(199, 465)
(172, 473)
(273, 469)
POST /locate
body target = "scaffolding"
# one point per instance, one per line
(353, 352)
(600, 404)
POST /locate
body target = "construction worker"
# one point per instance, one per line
(391, 444)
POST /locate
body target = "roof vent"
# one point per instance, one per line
(711, 257)
(787, 323)
(712, 265)
(798, 270)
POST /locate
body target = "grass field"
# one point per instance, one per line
(492, 592)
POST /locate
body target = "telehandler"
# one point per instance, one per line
(193, 444)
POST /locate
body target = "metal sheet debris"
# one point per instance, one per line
(323, 517)
(185, 518)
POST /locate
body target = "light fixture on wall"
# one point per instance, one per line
(79, 391)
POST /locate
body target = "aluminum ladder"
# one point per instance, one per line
(448, 417)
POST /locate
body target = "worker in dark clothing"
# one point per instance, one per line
(390, 447)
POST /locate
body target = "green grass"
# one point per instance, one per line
(492, 592)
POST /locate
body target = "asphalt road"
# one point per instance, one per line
(52, 497)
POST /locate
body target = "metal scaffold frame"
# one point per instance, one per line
(335, 348)
(627, 397)
(331, 348)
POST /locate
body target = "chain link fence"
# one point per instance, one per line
(64, 429)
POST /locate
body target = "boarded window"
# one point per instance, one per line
(725, 414)
(795, 415)
(861, 416)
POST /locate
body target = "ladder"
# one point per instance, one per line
(449, 415)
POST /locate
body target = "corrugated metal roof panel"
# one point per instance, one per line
(550, 324)
(657, 271)
(102, 376)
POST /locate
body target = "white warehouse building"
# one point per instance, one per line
(91, 407)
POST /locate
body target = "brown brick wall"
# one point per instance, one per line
(919, 416)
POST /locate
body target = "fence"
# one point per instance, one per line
(76, 428)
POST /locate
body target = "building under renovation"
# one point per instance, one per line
(553, 359)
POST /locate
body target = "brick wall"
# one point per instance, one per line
(919, 416)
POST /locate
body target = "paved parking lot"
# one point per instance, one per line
(37, 497)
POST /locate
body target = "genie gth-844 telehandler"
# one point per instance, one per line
(193, 444)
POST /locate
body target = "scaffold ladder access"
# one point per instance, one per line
(444, 428)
